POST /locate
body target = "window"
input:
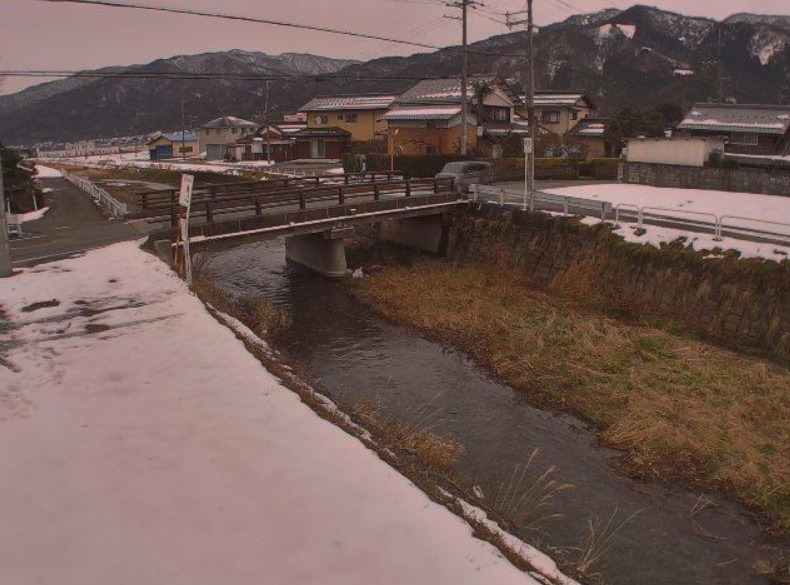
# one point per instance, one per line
(551, 117)
(322, 119)
(574, 115)
(351, 118)
(744, 139)
(234, 130)
(340, 117)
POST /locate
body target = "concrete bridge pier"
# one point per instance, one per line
(430, 233)
(323, 253)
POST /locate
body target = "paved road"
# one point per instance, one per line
(73, 224)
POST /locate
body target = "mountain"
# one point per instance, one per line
(642, 56)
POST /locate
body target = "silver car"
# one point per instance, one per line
(468, 172)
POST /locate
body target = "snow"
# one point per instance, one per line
(47, 172)
(763, 212)
(156, 449)
(609, 30)
(33, 215)
(683, 73)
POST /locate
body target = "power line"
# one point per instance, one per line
(113, 4)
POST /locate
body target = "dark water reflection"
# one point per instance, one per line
(356, 355)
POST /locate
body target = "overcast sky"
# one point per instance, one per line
(43, 35)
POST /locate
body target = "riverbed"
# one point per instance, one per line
(674, 536)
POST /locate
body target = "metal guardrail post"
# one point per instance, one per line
(565, 207)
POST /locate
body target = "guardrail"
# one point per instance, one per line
(99, 195)
(543, 201)
(717, 225)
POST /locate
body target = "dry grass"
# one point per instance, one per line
(414, 433)
(598, 539)
(525, 499)
(680, 407)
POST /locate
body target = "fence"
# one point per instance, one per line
(99, 195)
(538, 200)
(738, 227)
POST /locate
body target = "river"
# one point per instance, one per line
(677, 537)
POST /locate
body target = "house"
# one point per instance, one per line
(359, 115)
(428, 130)
(427, 118)
(748, 129)
(268, 143)
(321, 143)
(174, 145)
(218, 137)
(587, 139)
(559, 111)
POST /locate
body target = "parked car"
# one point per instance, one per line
(467, 173)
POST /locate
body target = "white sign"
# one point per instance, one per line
(528, 146)
(185, 196)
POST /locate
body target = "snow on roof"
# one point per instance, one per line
(229, 122)
(589, 127)
(550, 98)
(349, 102)
(181, 137)
(440, 113)
(442, 90)
(759, 119)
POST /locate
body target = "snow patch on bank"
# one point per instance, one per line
(43, 172)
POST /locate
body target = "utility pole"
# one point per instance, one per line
(5, 246)
(183, 132)
(529, 92)
(266, 125)
(464, 6)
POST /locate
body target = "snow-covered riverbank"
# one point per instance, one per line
(142, 443)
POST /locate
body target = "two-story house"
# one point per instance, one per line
(218, 138)
(335, 123)
(559, 111)
(427, 119)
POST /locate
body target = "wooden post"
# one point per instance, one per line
(408, 188)
(209, 213)
(341, 195)
(257, 205)
(302, 202)
(376, 194)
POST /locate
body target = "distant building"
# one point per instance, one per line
(747, 129)
(268, 143)
(321, 143)
(218, 138)
(174, 145)
(559, 111)
(429, 129)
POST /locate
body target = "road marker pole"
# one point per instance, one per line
(183, 259)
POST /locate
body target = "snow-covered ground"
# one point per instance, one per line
(141, 443)
(33, 215)
(44, 172)
(766, 213)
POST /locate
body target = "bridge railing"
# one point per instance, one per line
(163, 198)
(324, 194)
(739, 227)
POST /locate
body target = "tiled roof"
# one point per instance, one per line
(589, 127)
(331, 131)
(442, 90)
(229, 122)
(758, 119)
(348, 102)
(557, 99)
(428, 113)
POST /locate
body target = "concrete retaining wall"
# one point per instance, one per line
(744, 180)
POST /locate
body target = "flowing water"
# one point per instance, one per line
(676, 538)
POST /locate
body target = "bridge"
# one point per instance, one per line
(315, 214)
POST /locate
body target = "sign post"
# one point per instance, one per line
(183, 259)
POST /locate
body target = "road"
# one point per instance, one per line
(73, 224)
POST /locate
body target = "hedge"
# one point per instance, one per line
(505, 169)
